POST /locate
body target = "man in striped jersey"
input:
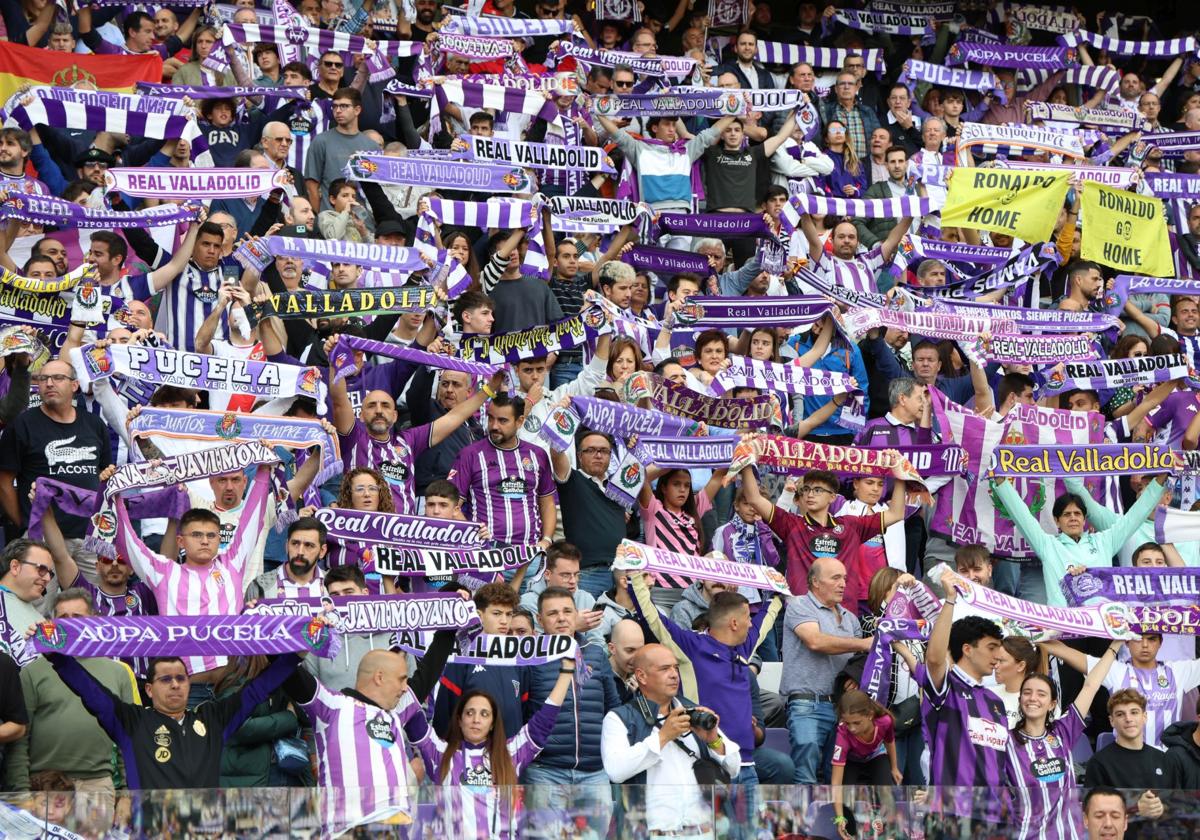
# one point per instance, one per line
(370, 440)
(300, 576)
(845, 266)
(206, 583)
(965, 724)
(508, 483)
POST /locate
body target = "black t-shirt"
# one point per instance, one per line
(35, 446)
(1146, 769)
(592, 522)
(731, 178)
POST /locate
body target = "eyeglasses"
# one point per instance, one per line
(108, 561)
(596, 450)
(808, 488)
(203, 536)
(171, 679)
(337, 106)
(846, 84)
(42, 571)
(855, 66)
(365, 488)
(332, 65)
(280, 139)
(57, 378)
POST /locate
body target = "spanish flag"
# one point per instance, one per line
(21, 66)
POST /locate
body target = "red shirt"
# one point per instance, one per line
(807, 540)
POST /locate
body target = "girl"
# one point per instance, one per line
(362, 489)
(864, 750)
(671, 511)
(849, 177)
(1018, 660)
(194, 72)
(1038, 760)
(476, 758)
(458, 245)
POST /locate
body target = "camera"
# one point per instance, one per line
(701, 719)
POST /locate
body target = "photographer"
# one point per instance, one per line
(668, 744)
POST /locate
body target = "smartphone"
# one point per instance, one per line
(231, 275)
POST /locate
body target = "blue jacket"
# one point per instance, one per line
(840, 359)
(574, 743)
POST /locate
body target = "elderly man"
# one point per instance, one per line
(846, 107)
(819, 639)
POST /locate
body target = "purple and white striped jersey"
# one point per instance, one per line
(355, 553)
(966, 728)
(183, 589)
(361, 758)
(186, 302)
(1163, 687)
(288, 588)
(1042, 776)
(392, 458)
(857, 273)
(501, 488)
(468, 801)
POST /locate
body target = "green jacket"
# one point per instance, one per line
(62, 734)
(1058, 551)
(246, 761)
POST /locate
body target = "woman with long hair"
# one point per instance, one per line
(849, 177)
(362, 489)
(1038, 759)
(1126, 398)
(1018, 659)
(456, 243)
(671, 509)
(476, 761)
(624, 360)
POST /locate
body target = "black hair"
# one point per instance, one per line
(1017, 733)
(1013, 384)
(199, 515)
(504, 399)
(1100, 790)
(152, 666)
(1065, 501)
(133, 22)
(968, 631)
(309, 523)
(443, 489)
(342, 574)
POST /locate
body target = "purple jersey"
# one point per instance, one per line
(470, 804)
(1163, 686)
(361, 758)
(1042, 776)
(501, 488)
(966, 728)
(392, 458)
(1170, 420)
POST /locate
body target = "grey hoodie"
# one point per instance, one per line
(692, 604)
(341, 672)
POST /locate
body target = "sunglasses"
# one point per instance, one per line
(333, 64)
(108, 561)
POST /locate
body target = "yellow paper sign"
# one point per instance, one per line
(1125, 230)
(1023, 204)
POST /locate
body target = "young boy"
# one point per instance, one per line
(344, 221)
(747, 539)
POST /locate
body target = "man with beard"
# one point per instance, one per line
(371, 441)
(15, 146)
(55, 250)
(300, 576)
(1085, 285)
(507, 483)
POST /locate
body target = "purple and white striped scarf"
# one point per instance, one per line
(1008, 55)
(370, 614)
(1120, 177)
(493, 651)
(1095, 117)
(981, 81)
(622, 421)
(1029, 349)
(775, 52)
(911, 206)
(681, 569)
(721, 13)
(504, 213)
(180, 430)
(1013, 140)
(685, 453)
(720, 312)
(1125, 285)
(622, 10)
(341, 359)
(1118, 46)
(44, 210)
(75, 115)
(398, 88)
(671, 103)
(1018, 272)
(509, 100)
(345, 524)
(1174, 144)
(476, 49)
(83, 503)
(1099, 76)
(102, 99)
(1031, 320)
(495, 26)
(1049, 19)
(286, 16)
(680, 400)
(659, 65)
(315, 41)
(208, 183)
(940, 325)
(1110, 374)
(198, 92)
(890, 23)
(914, 248)
(666, 261)
(852, 297)
(609, 211)
(744, 372)
(558, 84)
(435, 173)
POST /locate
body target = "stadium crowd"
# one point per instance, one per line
(689, 411)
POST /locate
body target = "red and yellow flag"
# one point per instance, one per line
(21, 66)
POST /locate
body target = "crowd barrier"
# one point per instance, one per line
(794, 812)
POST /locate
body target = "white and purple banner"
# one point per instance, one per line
(1136, 586)
(682, 569)
(169, 183)
(370, 614)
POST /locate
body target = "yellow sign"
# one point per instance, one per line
(1125, 230)
(1023, 204)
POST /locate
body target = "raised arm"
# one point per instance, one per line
(64, 562)
(451, 420)
(1095, 678)
(162, 276)
(771, 144)
(754, 496)
(339, 397)
(937, 649)
(889, 246)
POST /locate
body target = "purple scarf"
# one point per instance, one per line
(44, 210)
(371, 614)
(1007, 55)
(342, 357)
(398, 528)
(716, 312)
(667, 260)
(1144, 585)
(438, 174)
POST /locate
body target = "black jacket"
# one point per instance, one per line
(1180, 741)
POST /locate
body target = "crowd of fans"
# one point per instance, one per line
(679, 688)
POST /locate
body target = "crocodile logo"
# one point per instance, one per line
(61, 452)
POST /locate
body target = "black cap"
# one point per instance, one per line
(94, 155)
(392, 226)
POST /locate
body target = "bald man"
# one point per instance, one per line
(626, 640)
(371, 441)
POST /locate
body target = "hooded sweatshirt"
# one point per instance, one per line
(1179, 739)
(692, 604)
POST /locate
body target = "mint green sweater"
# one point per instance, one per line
(1058, 551)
